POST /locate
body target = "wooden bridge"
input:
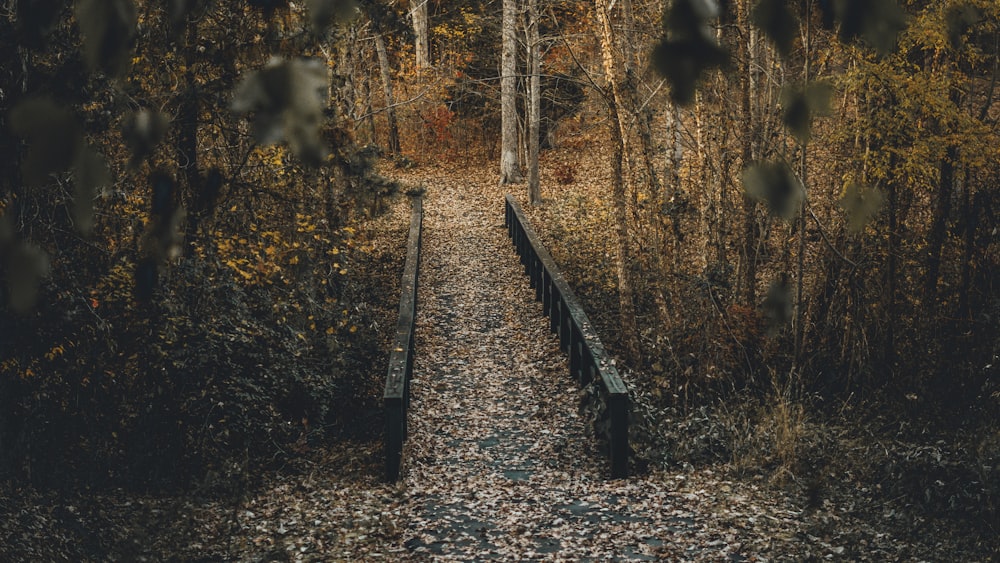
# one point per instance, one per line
(588, 362)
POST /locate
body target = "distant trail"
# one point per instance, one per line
(498, 464)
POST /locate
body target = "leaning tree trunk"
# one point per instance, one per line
(510, 173)
(390, 110)
(534, 102)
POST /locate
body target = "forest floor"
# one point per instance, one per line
(499, 465)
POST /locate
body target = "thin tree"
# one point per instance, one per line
(390, 111)
(619, 177)
(534, 102)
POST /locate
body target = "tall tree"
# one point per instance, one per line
(390, 105)
(619, 178)
(534, 101)
(510, 172)
(421, 34)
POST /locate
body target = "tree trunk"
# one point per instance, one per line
(889, 295)
(534, 103)
(799, 318)
(390, 110)
(418, 13)
(970, 223)
(510, 173)
(939, 224)
(187, 141)
(748, 250)
(626, 291)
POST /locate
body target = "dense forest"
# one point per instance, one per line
(781, 215)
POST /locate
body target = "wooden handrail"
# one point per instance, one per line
(396, 397)
(587, 358)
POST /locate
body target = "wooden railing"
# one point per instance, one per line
(587, 359)
(397, 383)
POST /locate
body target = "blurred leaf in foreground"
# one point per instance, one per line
(775, 19)
(287, 100)
(109, 33)
(777, 305)
(36, 19)
(878, 22)
(776, 185)
(142, 131)
(689, 47)
(323, 12)
(26, 265)
(54, 134)
(959, 20)
(861, 203)
(800, 105)
(90, 173)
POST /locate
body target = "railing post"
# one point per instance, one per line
(538, 271)
(546, 292)
(618, 412)
(576, 356)
(555, 310)
(393, 438)
(507, 218)
(564, 326)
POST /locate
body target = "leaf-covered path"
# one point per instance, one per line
(499, 464)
